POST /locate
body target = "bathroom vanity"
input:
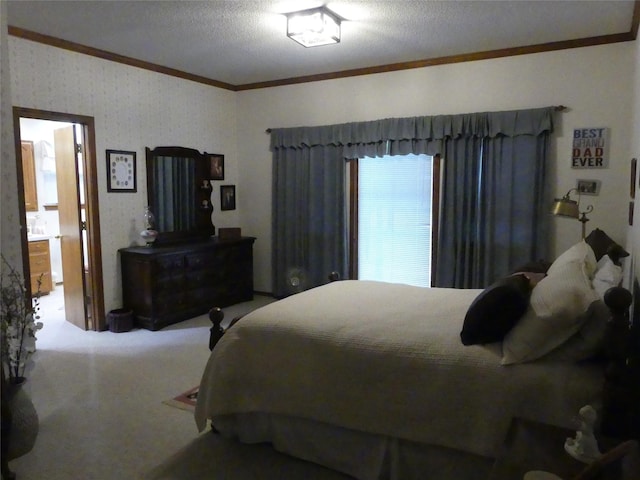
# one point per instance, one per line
(40, 265)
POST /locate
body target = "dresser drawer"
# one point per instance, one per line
(170, 283)
(201, 261)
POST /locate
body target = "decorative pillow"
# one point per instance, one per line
(588, 341)
(556, 308)
(496, 310)
(607, 275)
(581, 252)
(600, 243)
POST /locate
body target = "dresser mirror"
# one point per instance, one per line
(179, 194)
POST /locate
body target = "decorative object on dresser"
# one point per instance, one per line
(121, 171)
(179, 193)
(229, 233)
(149, 234)
(170, 283)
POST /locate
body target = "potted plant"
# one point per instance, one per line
(18, 314)
(18, 321)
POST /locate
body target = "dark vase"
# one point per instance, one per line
(24, 419)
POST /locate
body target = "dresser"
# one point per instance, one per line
(40, 266)
(163, 285)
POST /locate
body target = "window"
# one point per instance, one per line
(392, 218)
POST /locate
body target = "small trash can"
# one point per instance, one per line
(120, 320)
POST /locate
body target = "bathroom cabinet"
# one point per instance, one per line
(29, 176)
(40, 266)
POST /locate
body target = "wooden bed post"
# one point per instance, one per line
(621, 391)
(216, 315)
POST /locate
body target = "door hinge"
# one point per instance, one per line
(78, 148)
(83, 225)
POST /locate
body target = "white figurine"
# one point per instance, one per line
(584, 446)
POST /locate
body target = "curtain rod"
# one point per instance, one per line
(557, 108)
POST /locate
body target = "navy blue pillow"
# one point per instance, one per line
(496, 310)
(602, 245)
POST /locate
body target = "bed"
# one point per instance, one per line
(372, 379)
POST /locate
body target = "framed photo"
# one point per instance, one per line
(227, 197)
(216, 166)
(634, 166)
(588, 187)
(121, 171)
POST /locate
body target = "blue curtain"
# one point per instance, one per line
(309, 219)
(493, 199)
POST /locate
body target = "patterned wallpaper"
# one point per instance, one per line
(9, 230)
(133, 109)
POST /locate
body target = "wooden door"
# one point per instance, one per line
(29, 175)
(70, 226)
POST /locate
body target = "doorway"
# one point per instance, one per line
(68, 201)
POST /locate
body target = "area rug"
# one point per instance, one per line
(185, 401)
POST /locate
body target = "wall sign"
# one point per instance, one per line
(590, 148)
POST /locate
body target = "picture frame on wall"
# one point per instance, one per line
(634, 166)
(216, 166)
(227, 197)
(121, 171)
(588, 187)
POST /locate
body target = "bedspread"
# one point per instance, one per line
(386, 359)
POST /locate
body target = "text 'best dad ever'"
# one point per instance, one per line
(589, 146)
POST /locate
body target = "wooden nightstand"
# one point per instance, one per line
(531, 445)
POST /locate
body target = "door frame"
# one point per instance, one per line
(95, 308)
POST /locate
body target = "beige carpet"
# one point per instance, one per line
(99, 400)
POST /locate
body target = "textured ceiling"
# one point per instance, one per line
(242, 42)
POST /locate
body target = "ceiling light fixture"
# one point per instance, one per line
(314, 27)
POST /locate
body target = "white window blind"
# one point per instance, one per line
(394, 219)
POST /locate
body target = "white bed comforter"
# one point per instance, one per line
(385, 359)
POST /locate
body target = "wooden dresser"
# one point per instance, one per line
(167, 284)
(40, 265)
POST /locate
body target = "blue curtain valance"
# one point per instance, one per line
(414, 134)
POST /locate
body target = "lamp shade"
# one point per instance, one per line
(565, 207)
(314, 27)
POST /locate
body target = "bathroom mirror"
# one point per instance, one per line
(179, 194)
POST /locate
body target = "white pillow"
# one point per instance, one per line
(581, 252)
(556, 307)
(607, 275)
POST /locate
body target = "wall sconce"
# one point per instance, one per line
(565, 207)
(314, 27)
